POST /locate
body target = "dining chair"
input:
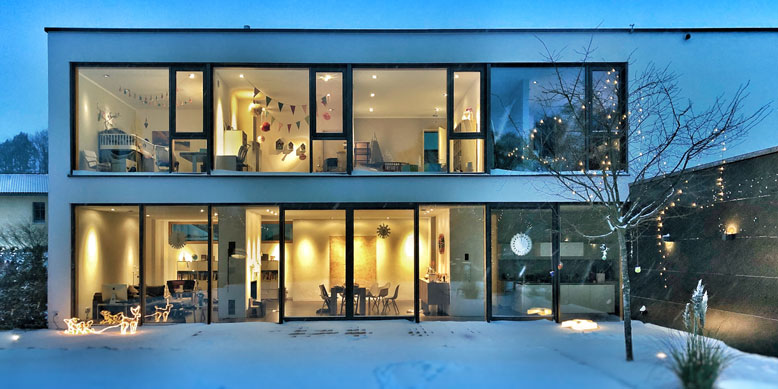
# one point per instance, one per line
(372, 296)
(392, 301)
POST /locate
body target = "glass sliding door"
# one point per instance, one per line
(522, 267)
(246, 260)
(451, 262)
(383, 262)
(176, 256)
(315, 263)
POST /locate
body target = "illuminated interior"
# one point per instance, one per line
(261, 120)
(123, 119)
(452, 245)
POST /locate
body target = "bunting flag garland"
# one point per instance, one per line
(280, 106)
(267, 100)
(279, 126)
(289, 128)
(298, 124)
(292, 107)
(260, 95)
(308, 119)
(160, 100)
(305, 108)
(256, 92)
(272, 119)
(324, 100)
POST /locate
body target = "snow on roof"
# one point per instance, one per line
(24, 183)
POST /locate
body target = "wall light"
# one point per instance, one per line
(191, 75)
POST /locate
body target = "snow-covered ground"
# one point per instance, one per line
(350, 354)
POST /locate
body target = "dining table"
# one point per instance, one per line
(360, 292)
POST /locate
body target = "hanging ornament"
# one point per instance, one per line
(383, 231)
(292, 108)
(324, 101)
(441, 244)
(326, 116)
(637, 269)
(604, 250)
(177, 239)
(146, 123)
(559, 266)
(265, 127)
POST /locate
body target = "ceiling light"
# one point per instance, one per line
(106, 75)
(370, 109)
(372, 95)
(326, 77)
(328, 95)
(191, 75)
(148, 215)
(445, 94)
(113, 209)
(374, 76)
(241, 75)
(202, 210)
(456, 76)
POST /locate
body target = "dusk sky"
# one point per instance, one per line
(23, 103)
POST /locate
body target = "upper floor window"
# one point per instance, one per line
(415, 120)
(38, 212)
(569, 117)
(124, 116)
(262, 120)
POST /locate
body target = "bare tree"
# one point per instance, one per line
(582, 142)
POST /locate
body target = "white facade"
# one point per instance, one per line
(710, 63)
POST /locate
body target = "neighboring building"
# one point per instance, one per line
(228, 175)
(728, 238)
(23, 199)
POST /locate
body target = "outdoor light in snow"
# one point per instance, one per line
(579, 324)
(730, 233)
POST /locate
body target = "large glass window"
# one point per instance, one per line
(451, 262)
(261, 120)
(176, 264)
(540, 114)
(521, 262)
(246, 261)
(107, 262)
(400, 120)
(315, 263)
(122, 119)
(383, 262)
(589, 277)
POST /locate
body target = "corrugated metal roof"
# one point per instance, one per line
(24, 183)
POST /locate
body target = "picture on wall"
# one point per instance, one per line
(272, 233)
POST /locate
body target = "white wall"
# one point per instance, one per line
(18, 209)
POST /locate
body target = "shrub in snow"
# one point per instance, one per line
(23, 277)
(695, 359)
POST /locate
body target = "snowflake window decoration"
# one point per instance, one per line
(383, 231)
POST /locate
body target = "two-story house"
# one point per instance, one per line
(226, 175)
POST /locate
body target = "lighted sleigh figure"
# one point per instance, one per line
(126, 324)
(162, 313)
(77, 327)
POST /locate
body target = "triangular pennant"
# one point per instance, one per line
(280, 106)
(305, 108)
(279, 126)
(292, 107)
(308, 119)
(267, 101)
(324, 101)
(289, 127)
(272, 119)
(298, 124)
(256, 92)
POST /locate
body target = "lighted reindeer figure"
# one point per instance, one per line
(110, 319)
(162, 313)
(131, 322)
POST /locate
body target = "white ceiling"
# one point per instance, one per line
(147, 82)
(399, 93)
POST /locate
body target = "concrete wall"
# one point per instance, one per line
(740, 275)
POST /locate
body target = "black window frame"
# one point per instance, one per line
(485, 134)
(587, 68)
(39, 212)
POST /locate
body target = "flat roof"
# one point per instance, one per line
(413, 30)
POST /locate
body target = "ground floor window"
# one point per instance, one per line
(229, 263)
